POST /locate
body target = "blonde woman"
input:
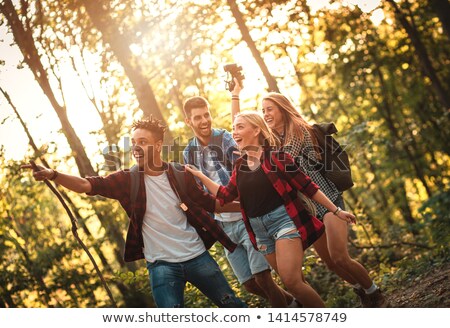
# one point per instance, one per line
(266, 182)
(298, 140)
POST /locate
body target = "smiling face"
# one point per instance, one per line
(146, 149)
(200, 121)
(273, 115)
(245, 134)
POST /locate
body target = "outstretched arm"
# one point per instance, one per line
(300, 181)
(235, 103)
(212, 186)
(229, 207)
(71, 182)
(207, 199)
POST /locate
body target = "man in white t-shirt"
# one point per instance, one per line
(170, 227)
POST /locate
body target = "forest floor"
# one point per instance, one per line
(427, 290)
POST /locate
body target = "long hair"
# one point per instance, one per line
(292, 119)
(266, 137)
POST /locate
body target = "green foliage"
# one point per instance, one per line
(436, 218)
(336, 63)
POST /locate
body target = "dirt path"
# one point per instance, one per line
(430, 290)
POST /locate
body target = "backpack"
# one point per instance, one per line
(178, 171)
(216, 142)
(334, 163)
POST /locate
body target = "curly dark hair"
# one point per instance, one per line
(151, 124)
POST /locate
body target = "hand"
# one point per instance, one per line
(195, 172)
(346, 216)
(42, 174)
(237, 87)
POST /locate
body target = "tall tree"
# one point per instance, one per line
(422, 54)
(271, 82)
(23, 36)
(119, 41)
(442, 10)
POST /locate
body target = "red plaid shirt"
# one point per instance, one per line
(117, 186)
(287, 179)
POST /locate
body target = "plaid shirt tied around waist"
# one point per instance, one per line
(286, 178)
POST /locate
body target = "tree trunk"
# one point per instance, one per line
(120, 45)
(6, 299)
(25, 41)
(374, 223)
(405, 208)
(308, 98)
(131, 298)
(271, 82)
(385, 109)
(109, 226)
(442, 10)
(422, 54)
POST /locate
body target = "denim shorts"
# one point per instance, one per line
(245, 260)
(272, 226)
(340, 202)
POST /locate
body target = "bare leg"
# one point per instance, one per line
(253, 287)
(289, 260)
(337, 245)
(321, 247)
(275, 294)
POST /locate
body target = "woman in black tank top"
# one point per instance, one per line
(263, 179)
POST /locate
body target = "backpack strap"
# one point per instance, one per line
(179, 173)
(217, 140)
(134, 186)
(192, 148)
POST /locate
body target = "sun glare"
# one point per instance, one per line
(44, 124)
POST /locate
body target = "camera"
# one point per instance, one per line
(233, 71)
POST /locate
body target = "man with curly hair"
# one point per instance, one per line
(169, 227)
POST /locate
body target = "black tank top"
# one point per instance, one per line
(257, 194)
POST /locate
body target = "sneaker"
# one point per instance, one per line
(374, 300)
(377, 299)
(362, 295)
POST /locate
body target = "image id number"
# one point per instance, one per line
(307, 317)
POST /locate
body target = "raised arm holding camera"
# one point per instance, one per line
(214, 151)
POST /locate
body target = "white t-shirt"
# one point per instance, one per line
(167, 234)
(213, 175)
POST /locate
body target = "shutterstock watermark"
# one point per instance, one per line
(122, 158)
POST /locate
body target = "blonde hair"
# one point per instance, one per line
(266, 136)
(292, 119)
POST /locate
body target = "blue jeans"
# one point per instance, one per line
(169, 279)
(245, 260)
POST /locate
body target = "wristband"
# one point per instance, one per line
(338, 209)
(234, 97)
(54, 176)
